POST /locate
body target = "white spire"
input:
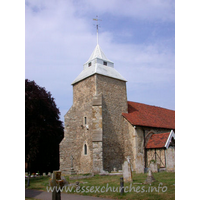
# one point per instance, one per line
(98, 64)
(98, 53)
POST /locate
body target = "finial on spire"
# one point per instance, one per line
(97, 25)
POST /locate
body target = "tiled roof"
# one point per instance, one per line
(140, 114)
(157, 141)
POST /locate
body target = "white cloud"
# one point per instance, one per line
(60, 38)
(137, 9)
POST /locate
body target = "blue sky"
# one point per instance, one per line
(138, 36)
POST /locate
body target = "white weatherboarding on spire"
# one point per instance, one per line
(98, 64)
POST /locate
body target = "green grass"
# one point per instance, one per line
(38, 183)
(142, 191)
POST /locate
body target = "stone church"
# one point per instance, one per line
(103, 129)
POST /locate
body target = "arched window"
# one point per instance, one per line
(85, 149)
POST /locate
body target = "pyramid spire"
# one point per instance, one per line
(98, 53)
(98, 63)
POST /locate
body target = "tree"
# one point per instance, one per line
(43, 129)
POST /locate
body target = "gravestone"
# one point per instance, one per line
(49, 174)
(44, 174)
(127, 174)
(150, 178)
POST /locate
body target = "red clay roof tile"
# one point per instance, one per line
(151, 116)
(157, 141)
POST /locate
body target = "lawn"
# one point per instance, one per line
(108, 186)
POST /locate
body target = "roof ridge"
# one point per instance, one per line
(151, 105)
(140, 114)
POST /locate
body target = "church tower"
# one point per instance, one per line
(93, 134)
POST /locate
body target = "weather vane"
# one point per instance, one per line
(97, 26)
